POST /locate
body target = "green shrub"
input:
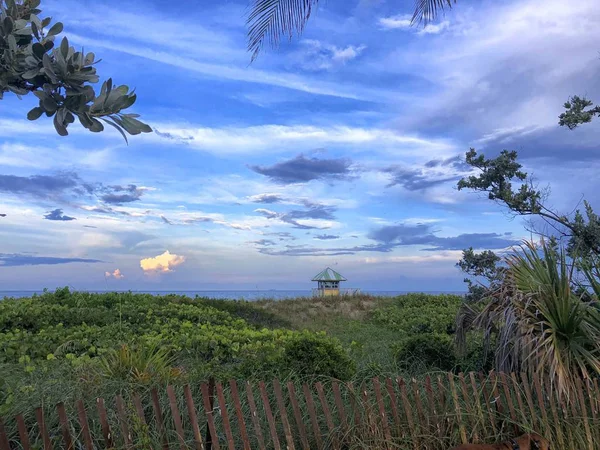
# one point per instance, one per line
(308, 354)
(426, 352)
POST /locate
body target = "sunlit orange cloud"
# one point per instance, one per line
(116, 274)
(162, 263)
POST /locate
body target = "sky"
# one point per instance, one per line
(341, 148)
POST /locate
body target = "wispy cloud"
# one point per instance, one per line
(403, 22)
(302, 169)
(14, 260)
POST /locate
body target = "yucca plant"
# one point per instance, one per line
(537, 320)
(140, 364)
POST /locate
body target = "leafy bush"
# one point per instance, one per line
(427, 352)
(80, 329)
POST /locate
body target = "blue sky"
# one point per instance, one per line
(338, 149)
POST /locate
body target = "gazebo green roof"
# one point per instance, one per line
(328, 275)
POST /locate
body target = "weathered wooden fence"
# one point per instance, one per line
(434, 413)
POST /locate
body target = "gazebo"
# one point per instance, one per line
(329, 283)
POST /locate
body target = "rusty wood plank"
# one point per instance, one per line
(191, 409)
(312, 412)
(225, 416)
(394, 405)
(64, 426)
(471, 416)
(108, 441)
(287, 430)
(176, 417)
(408, 412)
(382, 414)
(139, 409)
(207, 399)
(39, 415)
(254, 417)
(85, 429)
(339, 404)
(553, 400)
(235, 396)
(436, 427)
(423, 419)
(487, 398)
(160, 423)
(541, 403)
(477, 397)
(24, 435)
(327, 412)
(509, 402)
(461, 425)
(584, 413)
(269, 414)
(298, 416)
(122, 415)
(4, 444)
(529, 399)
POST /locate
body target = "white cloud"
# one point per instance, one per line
(403, 22)
(317, 55)
(283, 138)
(162, 263)
(117, 275)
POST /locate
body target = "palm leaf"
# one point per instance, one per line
(270, 19)
(427, 10)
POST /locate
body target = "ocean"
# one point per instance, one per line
(232, 295)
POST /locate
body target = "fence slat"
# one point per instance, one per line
(64, 425)
(553, 401)
(160, 424)
(382, 414)
(471, 418)
(393, 404)
(24, 435)
(509, 402)
(408, 412)
(487, 397)
(477, 398)
(283, 414)
(423, 419)
(191, 409)
(122, 415)
(312, 412)
(207, 398)
(108, 442)
(298, 416)
(517, 391)
(541, 403)
(461, 425)
(435, 425)
(267, 407)
(339, 404)
(139, 409)
(176, 417)
(354, 404)
(235, 396)
(254, 417)
(529, 399)
(85, 429)
(584, 414)
(225, 416)
(4, 444)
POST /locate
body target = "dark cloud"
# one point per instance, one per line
(165, 220)
(266, 198)
(199, 220)
(57, 214)
(415, 179)
(42, 186)
(2, 215)
(264, 242)
(456, 162)
(117, 195)
(302, 169)
(282, 235)
(89, 226)
(14, 260)
(312, 211)
(326, 237)
(390, 237)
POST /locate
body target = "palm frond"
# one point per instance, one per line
(427, 10)
(270, 19)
